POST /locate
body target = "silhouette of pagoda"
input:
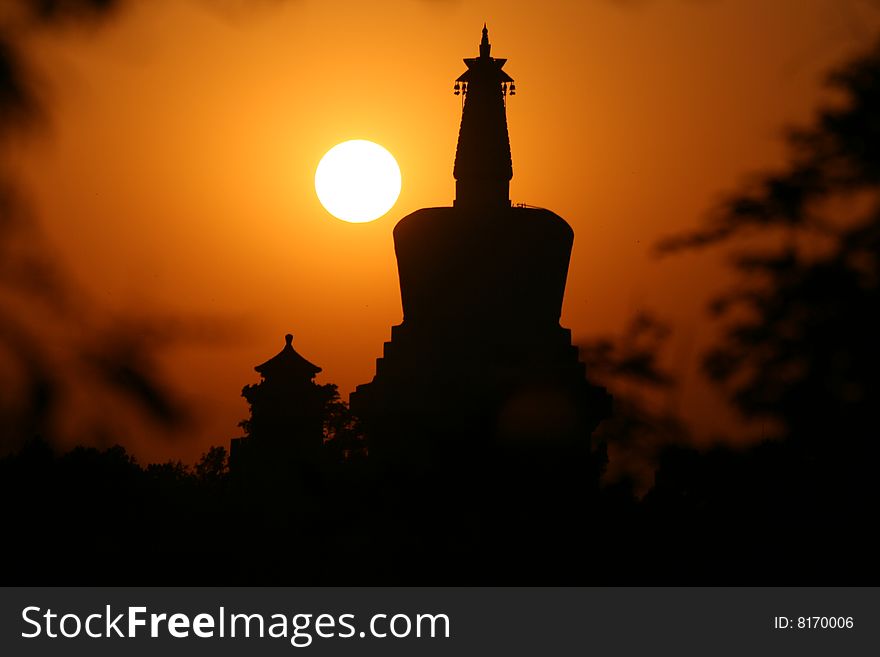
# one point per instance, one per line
(480, 357)
(284, 434)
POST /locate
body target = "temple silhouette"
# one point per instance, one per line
(284, 431)
(480, 361)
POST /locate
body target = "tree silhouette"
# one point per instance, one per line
(800, 326)
(797, 352)
(343, 435)
(54, 340)
(642, 423)
(213, 466)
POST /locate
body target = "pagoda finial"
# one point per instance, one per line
(484, 42)
(483, 168)
(288, 339)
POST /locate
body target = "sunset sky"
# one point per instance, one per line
(175, 173)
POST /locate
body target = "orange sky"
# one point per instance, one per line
(177, 173)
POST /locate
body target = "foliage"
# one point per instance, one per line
(54, 341)
(642, 423)
(800, 325)
(213, 466)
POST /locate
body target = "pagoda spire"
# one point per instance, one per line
(485, 46)
(483, 166)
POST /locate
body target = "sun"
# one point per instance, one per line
(357, 181)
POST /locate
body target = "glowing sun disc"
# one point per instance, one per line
(357, 181)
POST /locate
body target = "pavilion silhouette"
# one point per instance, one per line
(284, 430)
(480, 362)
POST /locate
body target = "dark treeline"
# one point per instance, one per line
(767, 515)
